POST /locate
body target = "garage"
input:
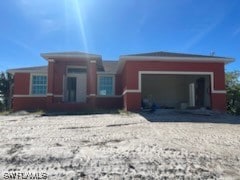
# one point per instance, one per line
(171, 91)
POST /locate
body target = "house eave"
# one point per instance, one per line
(123, 59)
(70, 55)
(34, 69)
(26, 71)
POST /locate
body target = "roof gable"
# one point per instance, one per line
(110, 66)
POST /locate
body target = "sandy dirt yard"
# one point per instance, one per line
(120, 146)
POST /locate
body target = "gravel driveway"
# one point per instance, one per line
(116, 146)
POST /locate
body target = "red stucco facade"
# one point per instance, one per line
(127, 93)
(132, 101)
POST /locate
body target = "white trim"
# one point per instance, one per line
(98, 83)
(191, 95)
(92, 95)
(219, 92)
(55, 95)
(51, 60)
(93, 61)
(131, 91)
(56, 55)
(32, 95)
(114, 96)
(140, 73)
(178, 59)
(27, 95)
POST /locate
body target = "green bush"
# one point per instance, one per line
(1, 106)
(233, 92)
(5, 85)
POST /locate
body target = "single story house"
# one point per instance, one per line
(76, 81)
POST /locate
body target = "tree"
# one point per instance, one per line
(6, 81)
(233, 92)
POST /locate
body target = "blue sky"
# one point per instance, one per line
(116, 27)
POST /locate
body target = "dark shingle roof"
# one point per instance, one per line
(173, 54)
(110, 66)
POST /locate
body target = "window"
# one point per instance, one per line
(39, 85)
(75, 70)
(105, 85)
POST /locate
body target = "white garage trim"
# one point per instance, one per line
(140, 73)
(131, 91)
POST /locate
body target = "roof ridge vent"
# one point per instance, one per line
(212, 53)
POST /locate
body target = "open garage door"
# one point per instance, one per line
(176, 91)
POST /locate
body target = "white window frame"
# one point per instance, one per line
(31, 84)
(113, 84)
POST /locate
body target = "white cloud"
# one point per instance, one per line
(23, 45)
(202, 33)
(32, 8)
(42, 14)
(49, 25)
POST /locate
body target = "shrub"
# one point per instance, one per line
(233, 92)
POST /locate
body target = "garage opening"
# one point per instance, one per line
(175, 91)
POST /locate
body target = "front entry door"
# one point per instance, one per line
(76, 88)
(71, 89)
(200, 92)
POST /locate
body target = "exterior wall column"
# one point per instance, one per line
(132, 101)
(219, 102)
(50, 86)
(218, 98)
(92, 82)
